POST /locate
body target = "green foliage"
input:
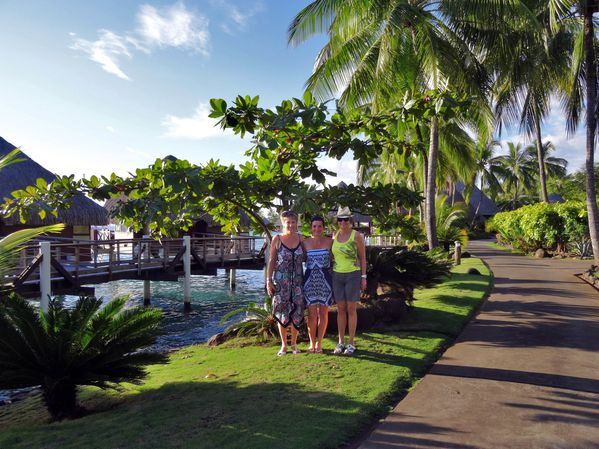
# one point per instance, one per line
(258, 322)
(542, 225)
(63, 348)
(451, 222)
(401, 269)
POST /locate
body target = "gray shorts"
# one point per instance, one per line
(346, 286)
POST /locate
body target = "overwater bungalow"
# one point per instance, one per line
(78, 218)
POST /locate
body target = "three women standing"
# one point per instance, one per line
(290, 293)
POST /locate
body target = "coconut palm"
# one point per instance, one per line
(554, 166)
(391, 46)
(528, 74)
(517, 170)
(580, 92)
(63, 348)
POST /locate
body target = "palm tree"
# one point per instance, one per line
(390, 47)
(528, 74)
(517, 170)
(554, 166)
(63, 348)
(580, 92)
(487, 172)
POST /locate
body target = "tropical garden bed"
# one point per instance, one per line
(240, 395)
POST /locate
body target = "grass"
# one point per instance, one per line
(238, 396)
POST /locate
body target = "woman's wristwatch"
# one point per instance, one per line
(364, 276)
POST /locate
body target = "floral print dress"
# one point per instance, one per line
(288, 300)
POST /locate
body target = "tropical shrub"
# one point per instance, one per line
(451, 223)
(64, 348)
(399, 269)
(259, 321)
(542, 225)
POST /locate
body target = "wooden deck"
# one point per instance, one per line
(76, 264)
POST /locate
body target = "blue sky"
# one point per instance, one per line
(92, 87)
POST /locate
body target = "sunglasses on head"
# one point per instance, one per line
(342, 218)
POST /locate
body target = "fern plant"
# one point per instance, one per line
(64, 348)
(258, 322)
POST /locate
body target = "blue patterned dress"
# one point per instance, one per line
(288, 300)
(317, 284)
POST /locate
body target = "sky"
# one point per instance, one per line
(95, 87)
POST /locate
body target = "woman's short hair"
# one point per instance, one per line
(289, 214)
(317, 218)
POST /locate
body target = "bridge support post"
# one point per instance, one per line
(147, 292)
(232, 278)
(187, 274)
(45, 275)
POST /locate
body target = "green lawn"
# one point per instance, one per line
(246, 397)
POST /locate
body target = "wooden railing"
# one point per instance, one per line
(77, 259)
(385, 240)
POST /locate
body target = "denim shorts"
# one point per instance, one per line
(346, 286)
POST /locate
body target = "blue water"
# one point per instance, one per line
(211, 299)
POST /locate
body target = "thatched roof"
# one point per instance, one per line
(83, 211)
(555, 198)
(478, 200)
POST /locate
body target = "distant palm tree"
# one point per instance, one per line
(517, 170)
(554, 166)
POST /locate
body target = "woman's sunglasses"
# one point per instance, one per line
(342, 218)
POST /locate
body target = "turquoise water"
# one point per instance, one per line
(211, 299)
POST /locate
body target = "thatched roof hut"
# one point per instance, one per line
(479, 204)
(83, 211)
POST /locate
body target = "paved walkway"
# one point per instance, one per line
(523, 374)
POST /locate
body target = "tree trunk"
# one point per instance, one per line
(422, 206)
(541, 158)
(60, 398)
(591, 122)
(430, 222)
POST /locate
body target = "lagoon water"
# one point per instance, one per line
(211, 299)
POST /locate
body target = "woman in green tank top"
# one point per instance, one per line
(349, 278)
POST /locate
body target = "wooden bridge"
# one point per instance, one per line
(68, 266)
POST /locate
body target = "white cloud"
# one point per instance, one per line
(106, 51)
(110, 129)
(238, 18)
(197, 127)
(173, 26)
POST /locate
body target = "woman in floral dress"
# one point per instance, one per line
(318, 290)
(285, 280)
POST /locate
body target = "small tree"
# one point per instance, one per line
(63, 348)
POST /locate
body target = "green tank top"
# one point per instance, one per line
(345, 254)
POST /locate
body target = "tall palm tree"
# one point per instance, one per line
(580, 93)
(390, 46)
(517, 170)
(528, 74)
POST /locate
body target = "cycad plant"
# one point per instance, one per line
(64, 348)
(259, 321)
(400, 269)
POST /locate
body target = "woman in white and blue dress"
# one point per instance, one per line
(318, 290)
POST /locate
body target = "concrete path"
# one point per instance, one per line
(523, 374)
